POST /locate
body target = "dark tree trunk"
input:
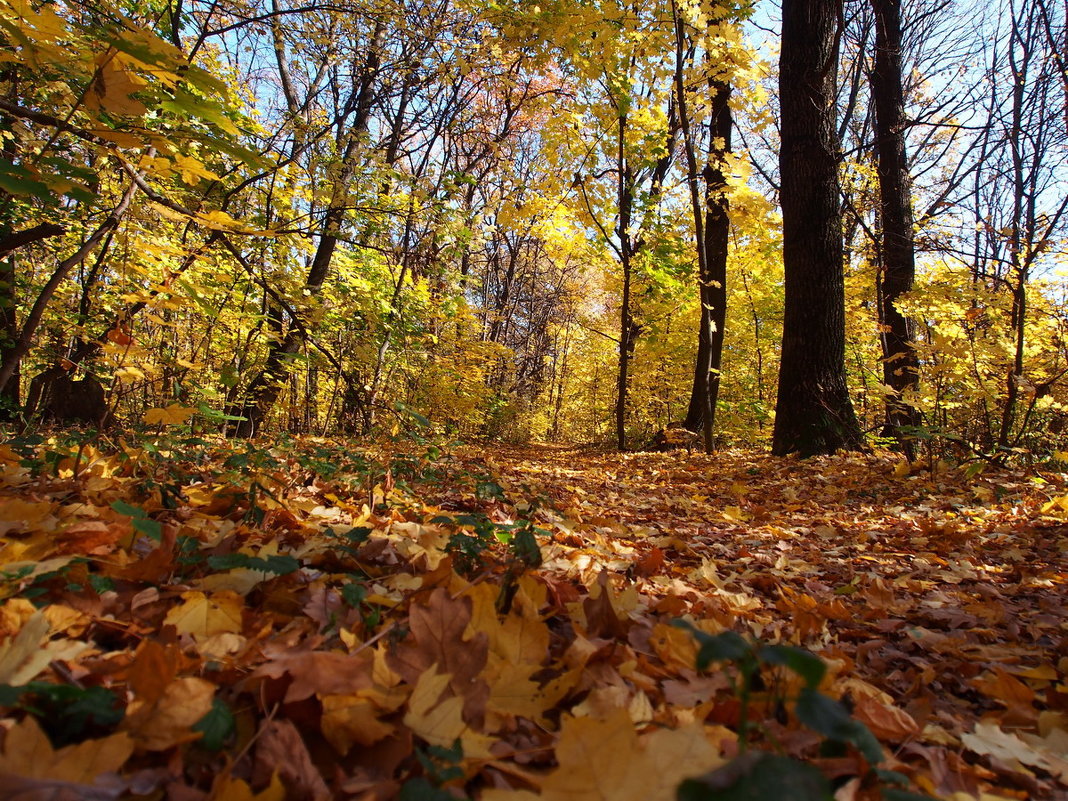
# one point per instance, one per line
(898, 267)
(265, 388)
(627, 334)
(9, 335)
(713, 279)
(813, 413)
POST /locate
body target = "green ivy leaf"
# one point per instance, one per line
(140, 520)
(279, 564)
(422, 790)
(828, 717)
(804, 663)
(758, 776)
(216, 726)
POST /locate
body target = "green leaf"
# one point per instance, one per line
(66, 713)
(140, 520)
(490, 490)
(804, 663)
(758, 776)
(279, 564)
(525, 547)
(187, 105)
(16, 180)
(216, 726)
(726, 647)
(422, 790)
(828, 717)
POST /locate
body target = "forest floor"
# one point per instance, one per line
(189, 619)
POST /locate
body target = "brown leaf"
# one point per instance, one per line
(320, 673)
(602, 620)
(280, 749)
(168, 720)
(437, 637)
(886, 722)
(31, 769)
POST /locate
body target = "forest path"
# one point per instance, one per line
(303, 605)
(944, 590)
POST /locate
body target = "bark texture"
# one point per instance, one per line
(813, 413)
(701, 413)
(897, 250)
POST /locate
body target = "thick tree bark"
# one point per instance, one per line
(897, 251)
(813, 413)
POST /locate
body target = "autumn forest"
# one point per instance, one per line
(583, 399)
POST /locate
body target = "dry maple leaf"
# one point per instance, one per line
(605, 759)
(168, 719)
(439, 720)
(24, 656)
(437, 638)
(32, 770)
(227, 788)
(281, 752)
(202, 616)
(353, 719)
(319, 672)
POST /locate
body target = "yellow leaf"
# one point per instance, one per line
(28, 753)
(598, 759)
(192, 170)
(605, 759)
(168, 720)
(442, 723)
(175, 414)
(989, 740)
(351, 719)
(514, 693)
(113, 88)
(674, 755)
(24, 656)
(19, 515)
(203, 617)
(227, 788)
(437, 723)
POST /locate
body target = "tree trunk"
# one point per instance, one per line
(626, 319)
(898, 268)
(813, 413)
(13, 356)
(266, 386)
(9, 335)
(713, 278)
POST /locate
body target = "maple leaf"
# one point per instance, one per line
(24, 656)
(319, 672)
(202, 616)
(440, 721)
(351, 719)
(604, 758)
(168, 719)
(988, 739)
(174, 414)
(31, 768)
(281, 752)
(437, 638)
(227, 788)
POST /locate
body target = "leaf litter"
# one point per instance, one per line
(189, 619)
